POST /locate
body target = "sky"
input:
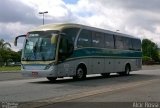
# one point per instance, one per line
(139, 18)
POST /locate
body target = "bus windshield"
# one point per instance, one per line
(40, 46)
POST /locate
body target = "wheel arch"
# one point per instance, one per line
(129, 65)
(83, 65)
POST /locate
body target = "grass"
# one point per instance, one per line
(10, 68)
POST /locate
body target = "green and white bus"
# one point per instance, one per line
(74, 50)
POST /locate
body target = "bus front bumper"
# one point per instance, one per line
(38, 70)
(38, 73)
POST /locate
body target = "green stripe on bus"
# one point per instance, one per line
(90, 52)
(102, 57)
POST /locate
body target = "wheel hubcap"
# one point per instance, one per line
(80, 73)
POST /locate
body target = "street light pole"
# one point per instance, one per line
(43, 15)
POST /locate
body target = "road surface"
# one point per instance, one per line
(141, 86)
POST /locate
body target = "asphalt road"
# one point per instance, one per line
(141, 86)
(5, 76)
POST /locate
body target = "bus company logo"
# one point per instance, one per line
(9, 105)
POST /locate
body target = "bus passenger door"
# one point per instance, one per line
(66, 47)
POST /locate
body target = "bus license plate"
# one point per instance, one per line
(34, 74)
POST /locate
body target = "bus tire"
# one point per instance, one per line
(127, 69)
(80, 73)
(52, 79)
(105, 75)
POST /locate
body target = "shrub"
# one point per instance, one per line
(147, 60)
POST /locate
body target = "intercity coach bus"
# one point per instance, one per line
(73, 50)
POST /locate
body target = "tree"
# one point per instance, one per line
(4, 52)
(1, 61)
(15, 56)
(7, 55)
(4, 44)
(150, 49)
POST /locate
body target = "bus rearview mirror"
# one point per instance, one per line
(15, 41)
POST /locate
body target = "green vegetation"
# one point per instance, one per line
(147, 60)
(10, 68)
(7, 55)
(150, 52)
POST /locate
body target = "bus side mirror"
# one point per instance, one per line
(15, 41)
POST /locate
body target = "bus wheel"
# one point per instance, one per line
(80, 73)
(127, 69)
(105, 74)
(51, 79)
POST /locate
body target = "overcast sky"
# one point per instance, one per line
(140, 18)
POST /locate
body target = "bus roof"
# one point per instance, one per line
(59, 27)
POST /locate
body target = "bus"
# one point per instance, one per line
(74, 50)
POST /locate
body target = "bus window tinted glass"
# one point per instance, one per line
(64, 45)
(98, 40)
(127, 43)
(119, 42)
(71, 33)
(84, 39)
(136, 44)
(109, 41)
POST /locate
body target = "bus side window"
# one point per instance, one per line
(127, 43)
(63, 47)
(119, 42)
(98, 40)
(84, 39)
(71, 32)
(109, 41)
(136, 44)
